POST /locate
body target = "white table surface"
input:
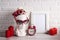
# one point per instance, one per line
(35, 37)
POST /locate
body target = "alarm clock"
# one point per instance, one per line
(31, 30)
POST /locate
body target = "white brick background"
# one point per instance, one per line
(50, 7)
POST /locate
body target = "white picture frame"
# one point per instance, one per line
(39, 20)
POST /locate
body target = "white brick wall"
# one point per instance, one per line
(50, 7)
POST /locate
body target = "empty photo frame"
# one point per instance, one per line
(39, 20)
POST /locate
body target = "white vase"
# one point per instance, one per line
(21, 28)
